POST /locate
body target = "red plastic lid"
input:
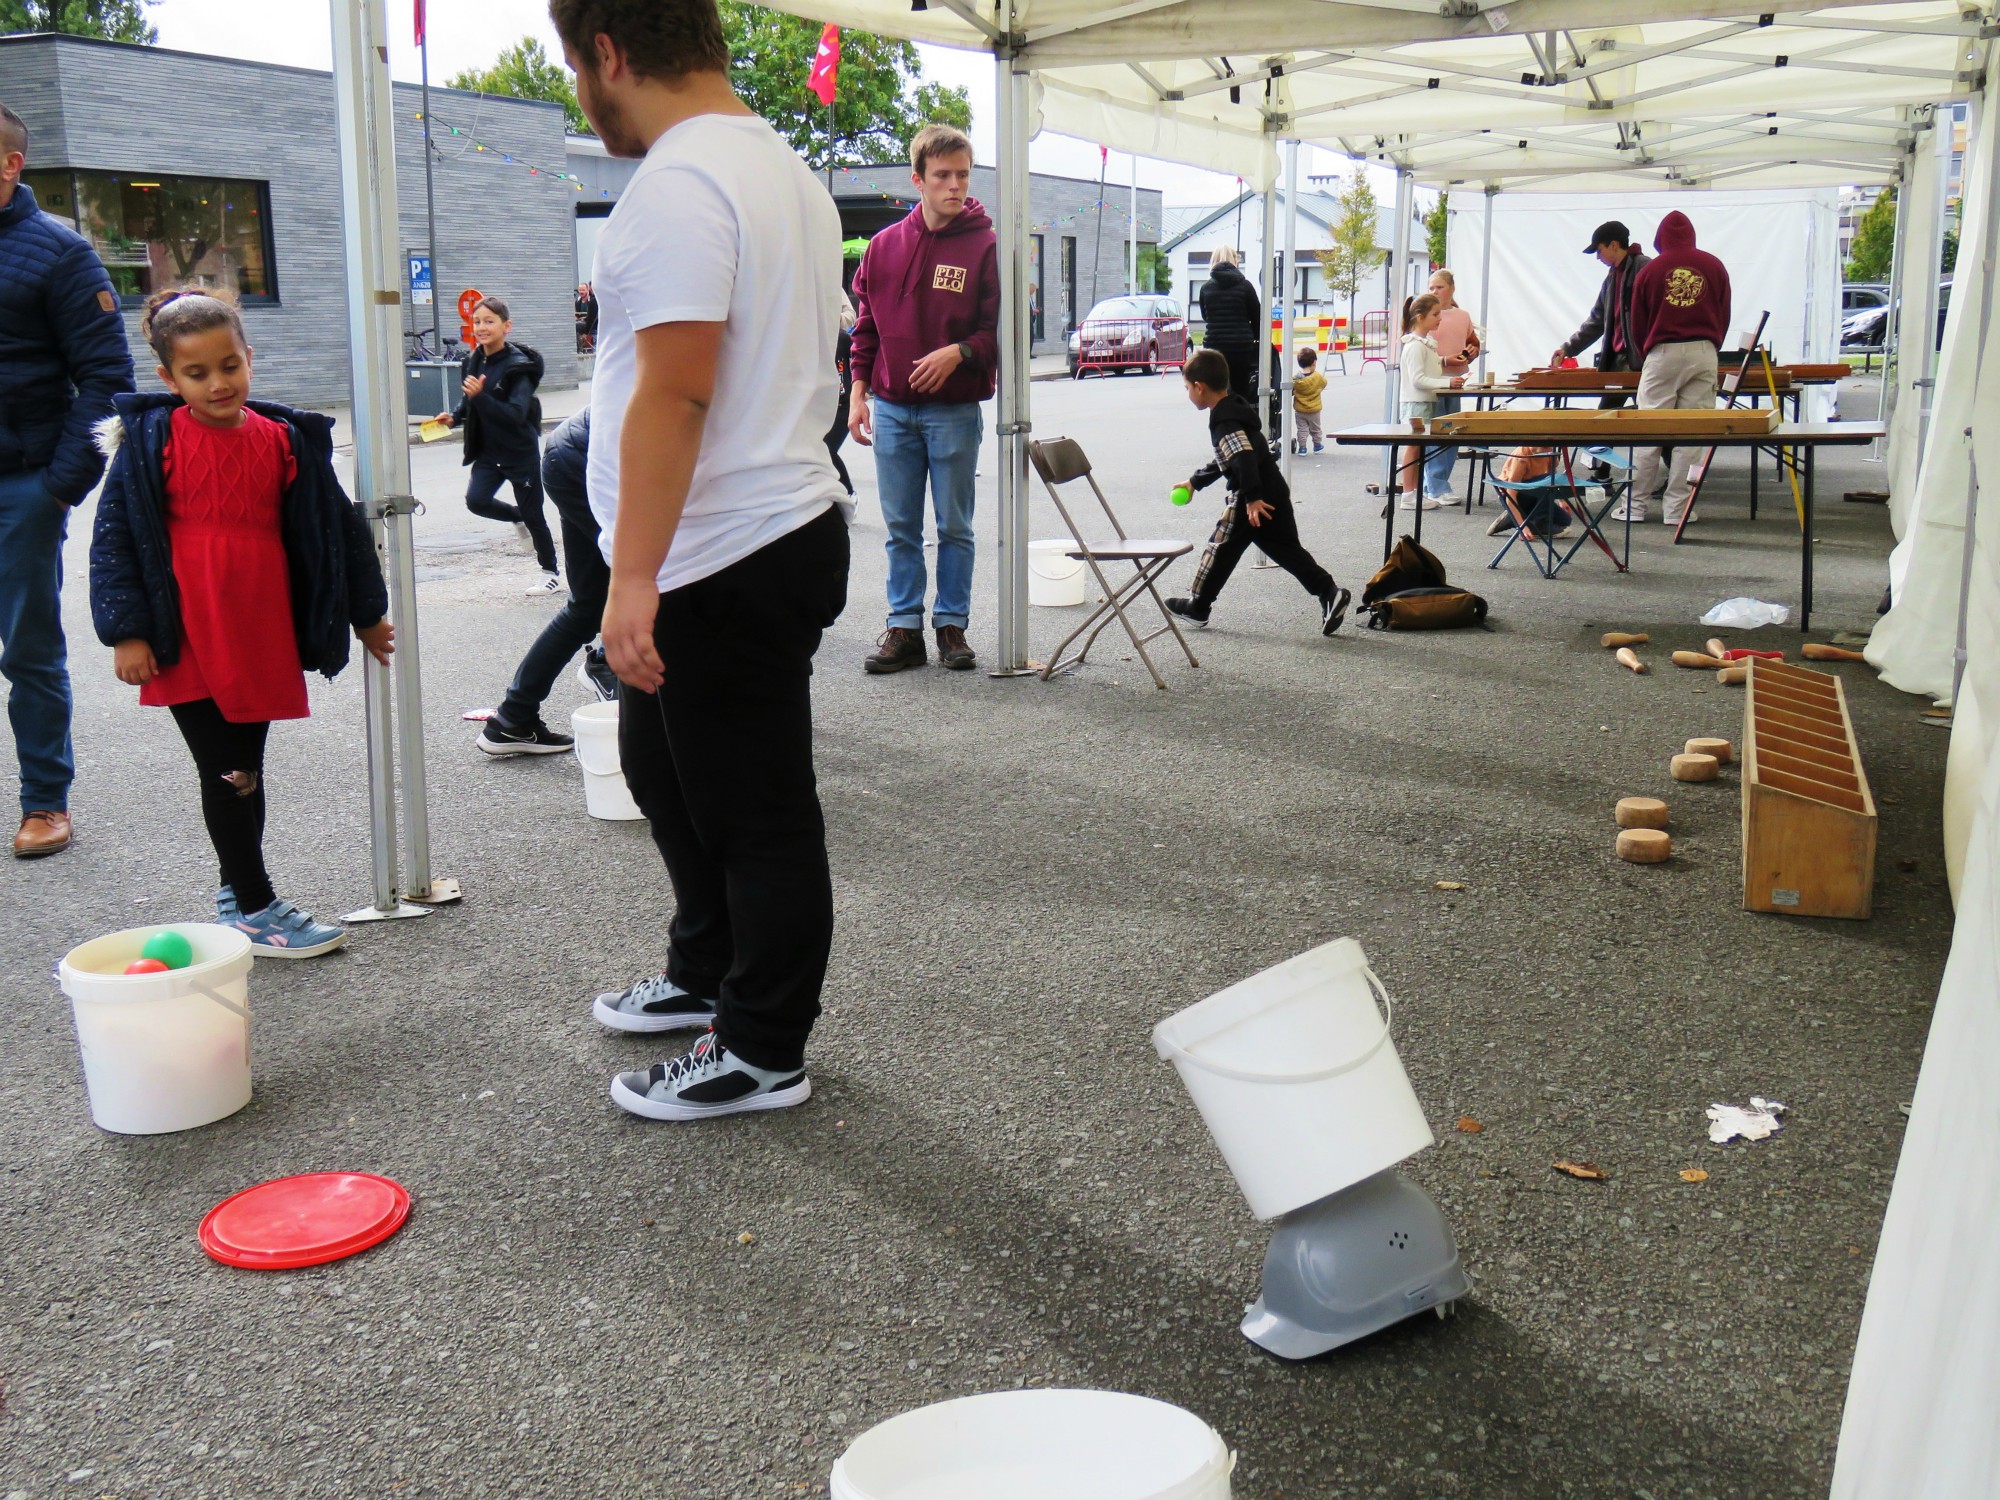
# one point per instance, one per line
(304, 1221)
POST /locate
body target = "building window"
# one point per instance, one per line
(1199, 257)
(154, 230)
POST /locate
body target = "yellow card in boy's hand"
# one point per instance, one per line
(431, 431)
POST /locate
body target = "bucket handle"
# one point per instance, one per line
(1318, 1075)
(219, 998)
(616, 768)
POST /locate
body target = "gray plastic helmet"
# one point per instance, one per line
(1352, 1263)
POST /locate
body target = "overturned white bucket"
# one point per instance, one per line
(1296, 1078)
(605, 794)
(1054, 578)
(166, 1051)
(1037, 1445)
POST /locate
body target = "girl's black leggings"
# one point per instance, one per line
(229, 759)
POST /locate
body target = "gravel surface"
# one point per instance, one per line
(996, 1182)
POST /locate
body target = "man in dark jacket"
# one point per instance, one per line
(63, 356)
(1260, 502)
(1230, 321)
(1610, 317)
(516, 727)
(926, 349)
(1680, 316)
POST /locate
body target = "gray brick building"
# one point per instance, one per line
(249, 196)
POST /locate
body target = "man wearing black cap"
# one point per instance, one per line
(1611, 315)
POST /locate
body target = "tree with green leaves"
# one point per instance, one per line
(1156, 271)
(1874, 244)
(526, 71)
(111, 20)
(1355, 251)
(882, 99)
(1437, 230)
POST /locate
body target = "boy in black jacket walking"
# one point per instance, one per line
(502, 421)
(1260, 502)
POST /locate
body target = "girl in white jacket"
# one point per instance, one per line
(1423, 377)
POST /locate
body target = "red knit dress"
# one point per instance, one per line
(225, 493)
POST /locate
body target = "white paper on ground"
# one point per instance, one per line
(1727, 1121)
(1743, 613)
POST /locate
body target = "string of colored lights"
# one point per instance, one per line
(507, 156)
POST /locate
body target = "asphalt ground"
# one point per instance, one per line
(996, 1182)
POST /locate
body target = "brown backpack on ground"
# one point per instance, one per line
(1409, 592)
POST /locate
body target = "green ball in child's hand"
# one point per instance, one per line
(170, 948)
(1181, 494)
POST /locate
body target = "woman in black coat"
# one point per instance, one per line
(1232, 320)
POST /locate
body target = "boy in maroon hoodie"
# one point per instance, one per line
(1680, 316)
(926, 352)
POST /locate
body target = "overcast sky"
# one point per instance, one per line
(469, 33)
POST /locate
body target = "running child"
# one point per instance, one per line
(1423, 377)
(502, 418)
(1260, 502)
(1306, 388)
(226, 561)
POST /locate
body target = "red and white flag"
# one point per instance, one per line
(420, 22)
(825, 75)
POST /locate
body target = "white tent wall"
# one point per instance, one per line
(1912, 645)
(1918, 208)
(1779, 245)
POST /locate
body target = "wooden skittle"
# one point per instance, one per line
(1612, 638)
(1733, 676)
(1713, 645)
(1697, 659)
(1814, 651)
(1629, 658)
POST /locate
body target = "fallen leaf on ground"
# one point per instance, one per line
(1694, 1174)
(1469, 1125)
(1449, 885)
(1587, 1171)
(746, 1238)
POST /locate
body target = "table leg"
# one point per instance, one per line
(1806, 549)
(1389, 503)
(1756, 458)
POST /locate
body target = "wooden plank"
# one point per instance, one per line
(1613, 428)
(1577, 380)
(1797, 371)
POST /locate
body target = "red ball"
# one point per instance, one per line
(145, 966)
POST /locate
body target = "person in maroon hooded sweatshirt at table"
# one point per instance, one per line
(925, 353)
(1680, 316)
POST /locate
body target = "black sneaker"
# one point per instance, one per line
(1333, 609)
(1192, 611)
(655, 1003)
(595, 673)
(537, 739)
(707, 1080)
(898, 648)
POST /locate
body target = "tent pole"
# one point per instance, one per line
(1399, 280)
(1011, 94)
(1132, 234)
(1886, 390)
(365, 122)
(1989, 242)
(1942, 124)
(1486, 274)
(1287, 368)
(1267, 252)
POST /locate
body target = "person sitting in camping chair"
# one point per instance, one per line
(1534, 498)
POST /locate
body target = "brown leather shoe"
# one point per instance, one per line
(898, 648)
(43, 833)
(953, 652)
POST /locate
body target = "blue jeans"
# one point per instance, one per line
(941, 443)
(1438, 462)
(33, 657)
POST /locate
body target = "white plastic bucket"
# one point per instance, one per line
(1037, 1445)
(162, 1052)
(1295, 1076)
(605, 794)
(1054, 579)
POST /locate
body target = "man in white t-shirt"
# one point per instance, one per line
(718, 293)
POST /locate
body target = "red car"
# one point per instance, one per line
(1145, 333)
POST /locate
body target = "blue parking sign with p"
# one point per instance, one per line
(420, 280)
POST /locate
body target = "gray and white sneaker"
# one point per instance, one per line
(655, 1003)
(707, 1080)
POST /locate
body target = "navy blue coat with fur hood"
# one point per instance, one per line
(336, 579)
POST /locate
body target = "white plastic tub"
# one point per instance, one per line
(605, 794)
(1055, 579)
(1037, 1445)
(1296, 1077)
(162, 1052)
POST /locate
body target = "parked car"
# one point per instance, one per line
(1865, 330)
(1862, 296)
(1144, 333)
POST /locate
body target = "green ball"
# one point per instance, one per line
(170, 948)
(1181, 495)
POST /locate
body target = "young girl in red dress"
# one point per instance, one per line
(226, 561)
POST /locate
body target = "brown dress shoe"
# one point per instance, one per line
(42, 833)
(898, 648)
(953, 652)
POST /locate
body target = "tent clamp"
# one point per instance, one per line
(395, 505)
(1012, 429)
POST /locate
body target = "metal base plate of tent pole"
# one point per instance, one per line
(1352, 1264)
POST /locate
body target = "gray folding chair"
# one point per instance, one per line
(1060, 461)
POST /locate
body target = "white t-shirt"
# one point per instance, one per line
(723, 223)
